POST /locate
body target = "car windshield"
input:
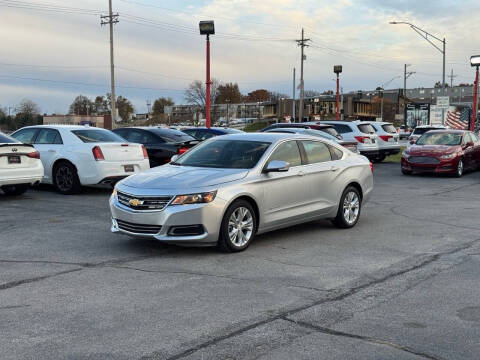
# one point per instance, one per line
(231, 131)
(366, 128)
(5, 139)
(94, 136)
(170, 135)
(321, 133)
(389, 128)
(229, 154)
(449, 139)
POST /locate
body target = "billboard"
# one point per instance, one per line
(417, 114)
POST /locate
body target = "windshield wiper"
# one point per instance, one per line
(175, 163)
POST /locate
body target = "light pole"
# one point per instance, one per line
(426, 35)
(258, 103)
(207, 28)
(337, 69)
(245, 115)
(382, 88)
(475, 62)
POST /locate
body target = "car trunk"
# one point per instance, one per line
(14, 156)
(120, 151)
(350, 145)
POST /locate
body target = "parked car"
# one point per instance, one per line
(422, 129)
(161, 143)
(81, 155)
(350, 145)
(359, 131)
(404, 132)
(229, 188)
(387, 138)
(20, 166)
(203, 133)
(443, 151)
(329, 129)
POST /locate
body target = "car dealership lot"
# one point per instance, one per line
(402, 284)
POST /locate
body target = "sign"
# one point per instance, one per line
(417, 114)
(443, 101)
(436, 115)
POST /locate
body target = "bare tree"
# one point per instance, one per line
(82, 105)
(28, 107)
(196, 93)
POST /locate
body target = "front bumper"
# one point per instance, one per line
(208, 216)
(389, 150)
(443, 167)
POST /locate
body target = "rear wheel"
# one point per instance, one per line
(349, 208)
(65, 179)
(406, 172)
(460, 168)
(238, 227)
(15, 190)
(380, 158)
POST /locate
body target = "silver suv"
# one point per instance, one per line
(360, 131)
(387, 138)
(422, 129)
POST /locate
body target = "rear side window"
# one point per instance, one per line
(289, 152)
(5, 139)
(172, 135)
(366, 128)
(389, 128)
(96, 135)
(337, 154)
(330, 130)
(342, 129)
(26, 135)
(316, 151)
(474, 137)
(48, 136)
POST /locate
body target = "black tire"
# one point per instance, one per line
(380, 159)
(225, 242)
(460, 169)
(65, 179)
(406, 172)
(341, 220)
(15, 190)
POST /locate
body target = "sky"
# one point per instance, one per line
(55, 50)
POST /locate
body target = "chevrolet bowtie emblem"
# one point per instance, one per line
(135, 202)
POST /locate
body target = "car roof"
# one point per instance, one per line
(379, 122)
(431, 126)
(452, 131)
(264, 136)
(64, 127)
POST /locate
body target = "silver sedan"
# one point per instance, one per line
(229, 189)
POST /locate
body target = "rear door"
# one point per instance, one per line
(49, 144)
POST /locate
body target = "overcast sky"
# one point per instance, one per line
(51, 54)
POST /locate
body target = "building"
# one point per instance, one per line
(101, 121)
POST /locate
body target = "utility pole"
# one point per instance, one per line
(341, 104)
(111, 19)
(406, 75)
(451, 78)
(293, 97)
(302, 43)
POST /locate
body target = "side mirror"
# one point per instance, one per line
(412, 142)
(174, 158)
(468, 144)
(277, 166)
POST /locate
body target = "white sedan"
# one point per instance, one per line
(81, 155)
(20, 166)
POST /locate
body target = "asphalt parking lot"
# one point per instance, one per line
(403, 284)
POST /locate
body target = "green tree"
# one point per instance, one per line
(82, 105)
(159, 105)
(125, 108)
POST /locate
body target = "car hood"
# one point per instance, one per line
(432, 149)
(180, 177)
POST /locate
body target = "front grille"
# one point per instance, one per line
(138, 228)
(423, 160)
(143, 202)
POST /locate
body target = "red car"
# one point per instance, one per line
(443, 151)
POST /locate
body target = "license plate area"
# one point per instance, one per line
(129, 168)
(14, 159)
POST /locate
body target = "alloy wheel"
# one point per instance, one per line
(460, 168)
(351, 207)
(64, 178)
(240, 226)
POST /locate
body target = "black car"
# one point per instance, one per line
(203, 133)
(161, 144)
(329, 129)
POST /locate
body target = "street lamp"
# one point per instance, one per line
(426, 35)
(337, 69)
(207, 28)
(475, 62)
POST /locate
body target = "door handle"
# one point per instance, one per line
(300, 173)
(334, 168)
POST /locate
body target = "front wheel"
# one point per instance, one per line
(349, 208)
(14, 190)
(238, 227)
(406, 172)
(460, 168)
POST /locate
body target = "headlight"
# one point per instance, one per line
(448, 156)
(201, 198)
(114, 193)
(405, 155)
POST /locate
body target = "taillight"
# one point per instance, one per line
(385, 137)
(182, 150)
(361, 139)
(371, 167)
(97, 153)
(34, 155)
(145, 153)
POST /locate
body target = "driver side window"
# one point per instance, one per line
(289, 152)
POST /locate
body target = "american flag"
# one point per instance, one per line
(458, 119)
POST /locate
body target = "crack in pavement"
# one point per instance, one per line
(329, 331)
(340, 295)
(12, 284)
